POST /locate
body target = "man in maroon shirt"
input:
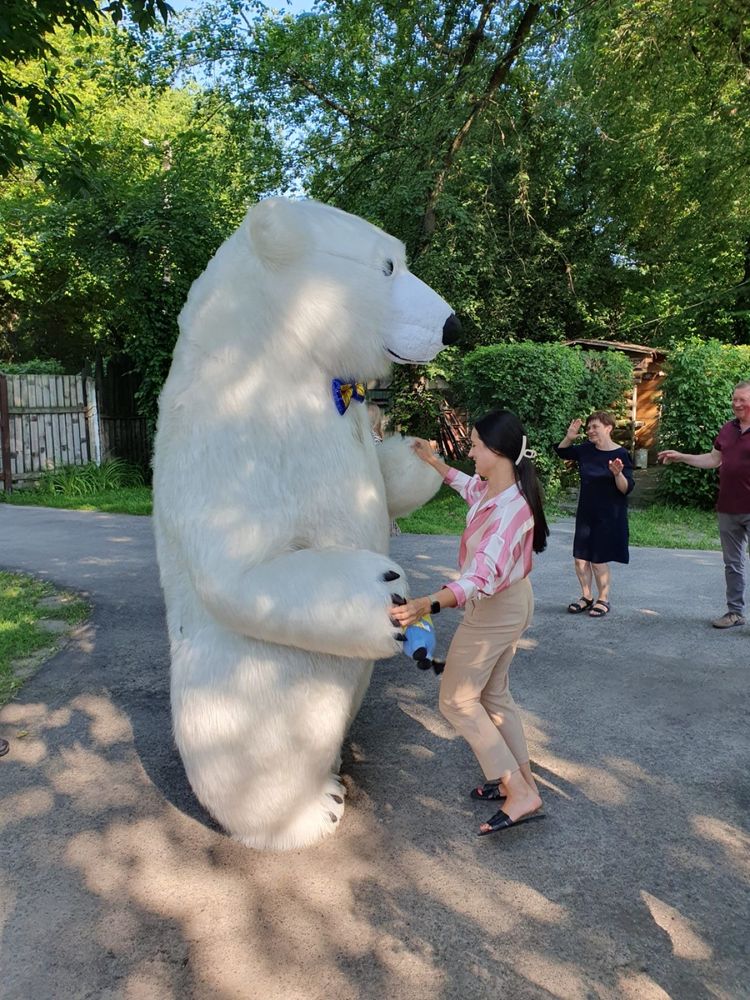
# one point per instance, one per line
(731, 456)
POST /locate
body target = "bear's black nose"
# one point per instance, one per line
(451, 329)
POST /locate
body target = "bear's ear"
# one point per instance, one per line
(278, 230)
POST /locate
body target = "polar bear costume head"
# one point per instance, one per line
(332, 290)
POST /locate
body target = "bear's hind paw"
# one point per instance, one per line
(313, 821)
(336, 789)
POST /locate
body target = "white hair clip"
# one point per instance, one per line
(525, 452)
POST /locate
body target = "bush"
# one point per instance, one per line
(547, 385)
(415, 402)
(696, 397)
(85, 480)
(606, 381)
(35, 367)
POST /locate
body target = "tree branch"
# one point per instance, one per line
(309, 86)
(476, 37)
(499, 75)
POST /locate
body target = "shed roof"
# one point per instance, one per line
(617, 345)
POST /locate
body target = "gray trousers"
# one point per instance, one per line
(734, 531)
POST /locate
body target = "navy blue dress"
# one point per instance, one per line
(602, 516)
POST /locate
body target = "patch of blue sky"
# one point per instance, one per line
(294, 186)
(287, 6)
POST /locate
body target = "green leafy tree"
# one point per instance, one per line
(27, 36)
(98, 250)
(443, 125)
(665, 91)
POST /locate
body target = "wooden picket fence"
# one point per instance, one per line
(46, 421)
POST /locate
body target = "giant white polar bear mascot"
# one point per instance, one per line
(272, 508)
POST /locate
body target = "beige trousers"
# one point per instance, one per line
(474, 693)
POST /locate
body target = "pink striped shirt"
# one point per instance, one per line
(497, 543)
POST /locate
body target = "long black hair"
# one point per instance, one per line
(502, 432)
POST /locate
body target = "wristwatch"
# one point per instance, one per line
(435, 608)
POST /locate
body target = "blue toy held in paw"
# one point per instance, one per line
(420, 645)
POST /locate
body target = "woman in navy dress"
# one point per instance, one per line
(602, 517)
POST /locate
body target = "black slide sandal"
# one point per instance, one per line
(502, 821)
(488, 792)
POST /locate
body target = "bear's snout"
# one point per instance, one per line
(451, 329)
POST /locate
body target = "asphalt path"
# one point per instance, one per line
(115, 884)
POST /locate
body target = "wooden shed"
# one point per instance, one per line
(642, 431)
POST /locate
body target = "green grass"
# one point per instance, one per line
(126, 500)
(20, 635)
(674, 528)
(83, 480)
(114, 487)
(445, 514)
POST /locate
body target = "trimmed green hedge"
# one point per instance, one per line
(35, 367)
(547, 385)
(696, 401)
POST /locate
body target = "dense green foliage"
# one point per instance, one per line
(555, 170)
(547, 385)
(35, 366)
(607, 378)
(27, 35)
(665, 90)
(697, 395)
(132, 198)
(84, 480)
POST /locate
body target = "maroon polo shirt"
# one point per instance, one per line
(734, 472)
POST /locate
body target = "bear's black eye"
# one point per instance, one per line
(388, 268)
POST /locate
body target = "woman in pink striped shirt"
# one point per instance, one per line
(504, 526)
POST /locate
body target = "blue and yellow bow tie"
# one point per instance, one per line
(345, 392)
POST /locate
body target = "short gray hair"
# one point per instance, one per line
(741, 385)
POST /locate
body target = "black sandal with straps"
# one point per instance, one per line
(502, 821)
(488, 792)
(600, 609)
(576, 608)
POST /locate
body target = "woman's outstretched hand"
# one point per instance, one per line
(412, 611)
(423, 450)
(574, 428)
(616, 466)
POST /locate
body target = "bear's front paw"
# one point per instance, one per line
(390, 577)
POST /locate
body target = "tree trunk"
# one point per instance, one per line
(498, 77)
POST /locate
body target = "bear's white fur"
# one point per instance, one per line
(272, 510)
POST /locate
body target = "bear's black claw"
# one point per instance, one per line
(400, 637)
(398, 599)
(390, 575)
